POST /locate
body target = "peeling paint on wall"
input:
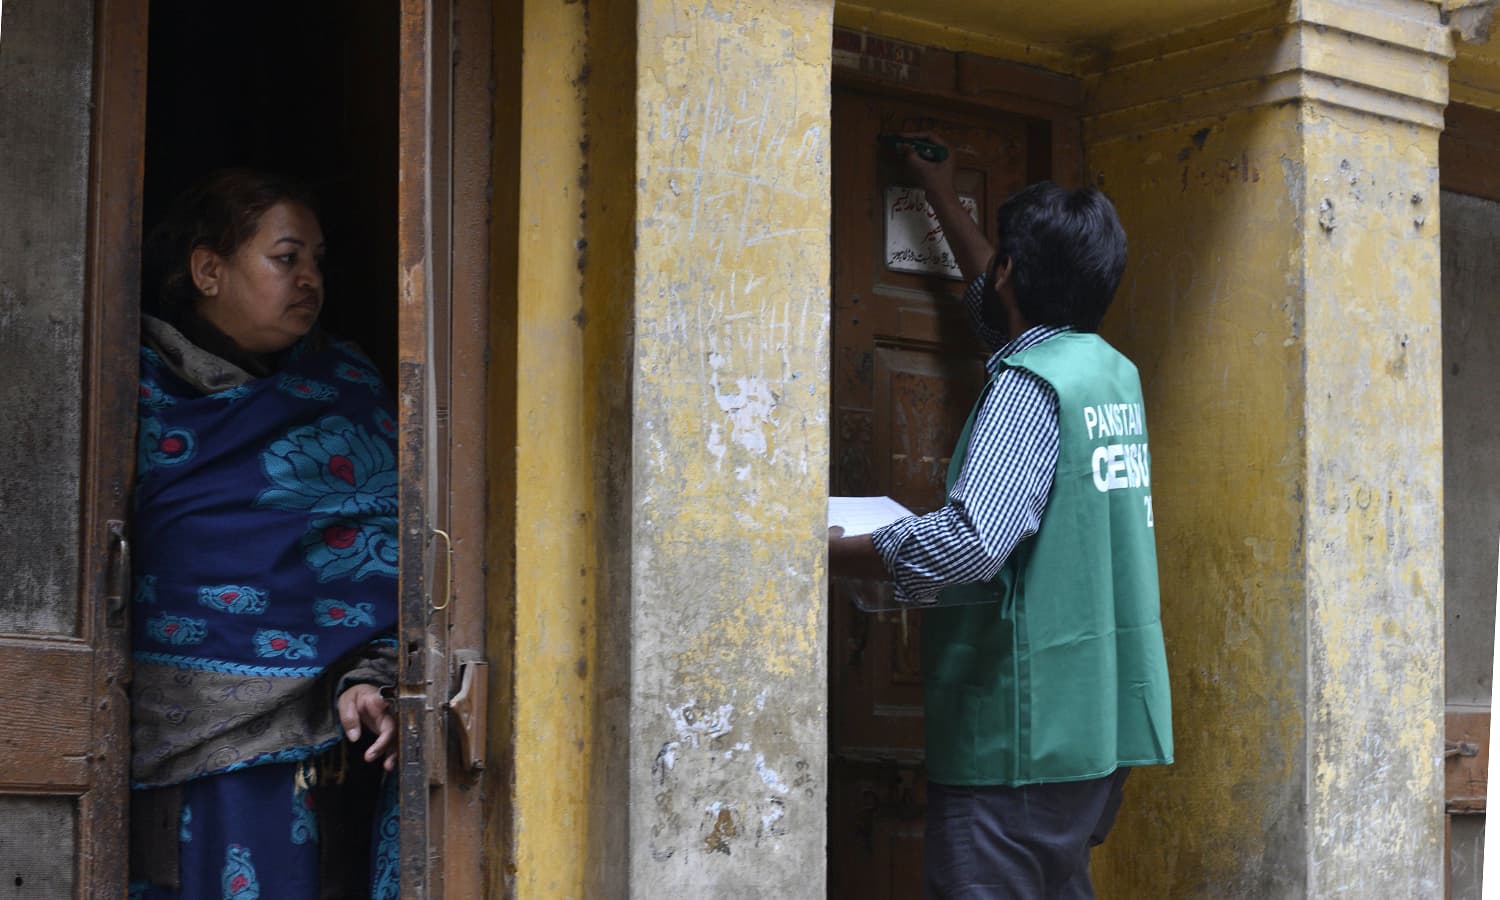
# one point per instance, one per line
(1375, 550)
(1210, 312)
(731, 372)
(1289, 350)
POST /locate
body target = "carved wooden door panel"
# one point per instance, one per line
(907, 370)
(71, 139)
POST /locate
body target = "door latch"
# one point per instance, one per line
(468, 709)
(117, 574)
(1459, 748)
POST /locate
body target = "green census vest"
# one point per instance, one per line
(1063, 676)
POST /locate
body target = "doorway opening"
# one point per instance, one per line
(306, 90)
(907, 368)
(1470, 210)
(309, 91)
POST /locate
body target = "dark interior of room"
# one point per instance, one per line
(296, 88)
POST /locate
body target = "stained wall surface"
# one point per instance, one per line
(1282, 301)
(1211, 313)
(666, 345)
(730, 446)
(1373, 510)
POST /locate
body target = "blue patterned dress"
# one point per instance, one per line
(266, 563)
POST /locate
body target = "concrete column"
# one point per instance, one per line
(729, 437)
(1277, 176)
(660, 378)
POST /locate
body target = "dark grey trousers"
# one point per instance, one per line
(1016, 843)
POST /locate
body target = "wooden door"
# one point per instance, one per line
(907, 369)
(444, 157)
(71, 125)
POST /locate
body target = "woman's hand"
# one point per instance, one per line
(361, 706)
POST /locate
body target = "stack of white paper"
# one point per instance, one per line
(862, 515)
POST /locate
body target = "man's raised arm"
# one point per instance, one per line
(970, 247)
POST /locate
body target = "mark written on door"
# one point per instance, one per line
(914, 241)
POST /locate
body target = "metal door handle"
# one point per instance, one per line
(447, 570)
(117, 574)
(468, 710)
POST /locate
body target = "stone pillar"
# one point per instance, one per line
(729, 437)
(1277, 176)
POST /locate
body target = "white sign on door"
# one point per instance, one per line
(914, 239)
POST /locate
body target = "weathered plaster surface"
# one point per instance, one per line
(1282, 301)
(1280, 304)
(729, 424)
(1475, 74)
(1373, 525)
(1211, 312)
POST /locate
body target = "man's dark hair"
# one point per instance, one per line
(1067, 253)
(220, 212)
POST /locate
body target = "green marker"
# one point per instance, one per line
(925, 149)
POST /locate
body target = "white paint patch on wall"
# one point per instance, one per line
(694, 727)
(749, 405)
(768, 775)
(769, 821)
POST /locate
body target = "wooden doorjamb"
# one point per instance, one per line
(118, 140)
(464, 408)
(415, 700)
(444, 155)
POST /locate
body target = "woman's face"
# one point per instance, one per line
(268, 293)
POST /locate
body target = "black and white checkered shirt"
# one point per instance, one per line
(1000, 493)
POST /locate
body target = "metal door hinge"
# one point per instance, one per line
(468, 710)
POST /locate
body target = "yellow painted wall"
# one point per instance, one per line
(607, 258)
(1211, 312)
(1282, 301)
(657, 535)
(543, 599)
(730, 444)
(1474, 77)
(1373, 519)
(1072, 36)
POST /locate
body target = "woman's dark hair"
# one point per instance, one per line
(220, 212)
(1067, 253)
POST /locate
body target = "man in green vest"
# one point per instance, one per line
(1045, 677)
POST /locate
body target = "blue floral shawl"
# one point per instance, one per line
(266, 554)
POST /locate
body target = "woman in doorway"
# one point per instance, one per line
(265, 598)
